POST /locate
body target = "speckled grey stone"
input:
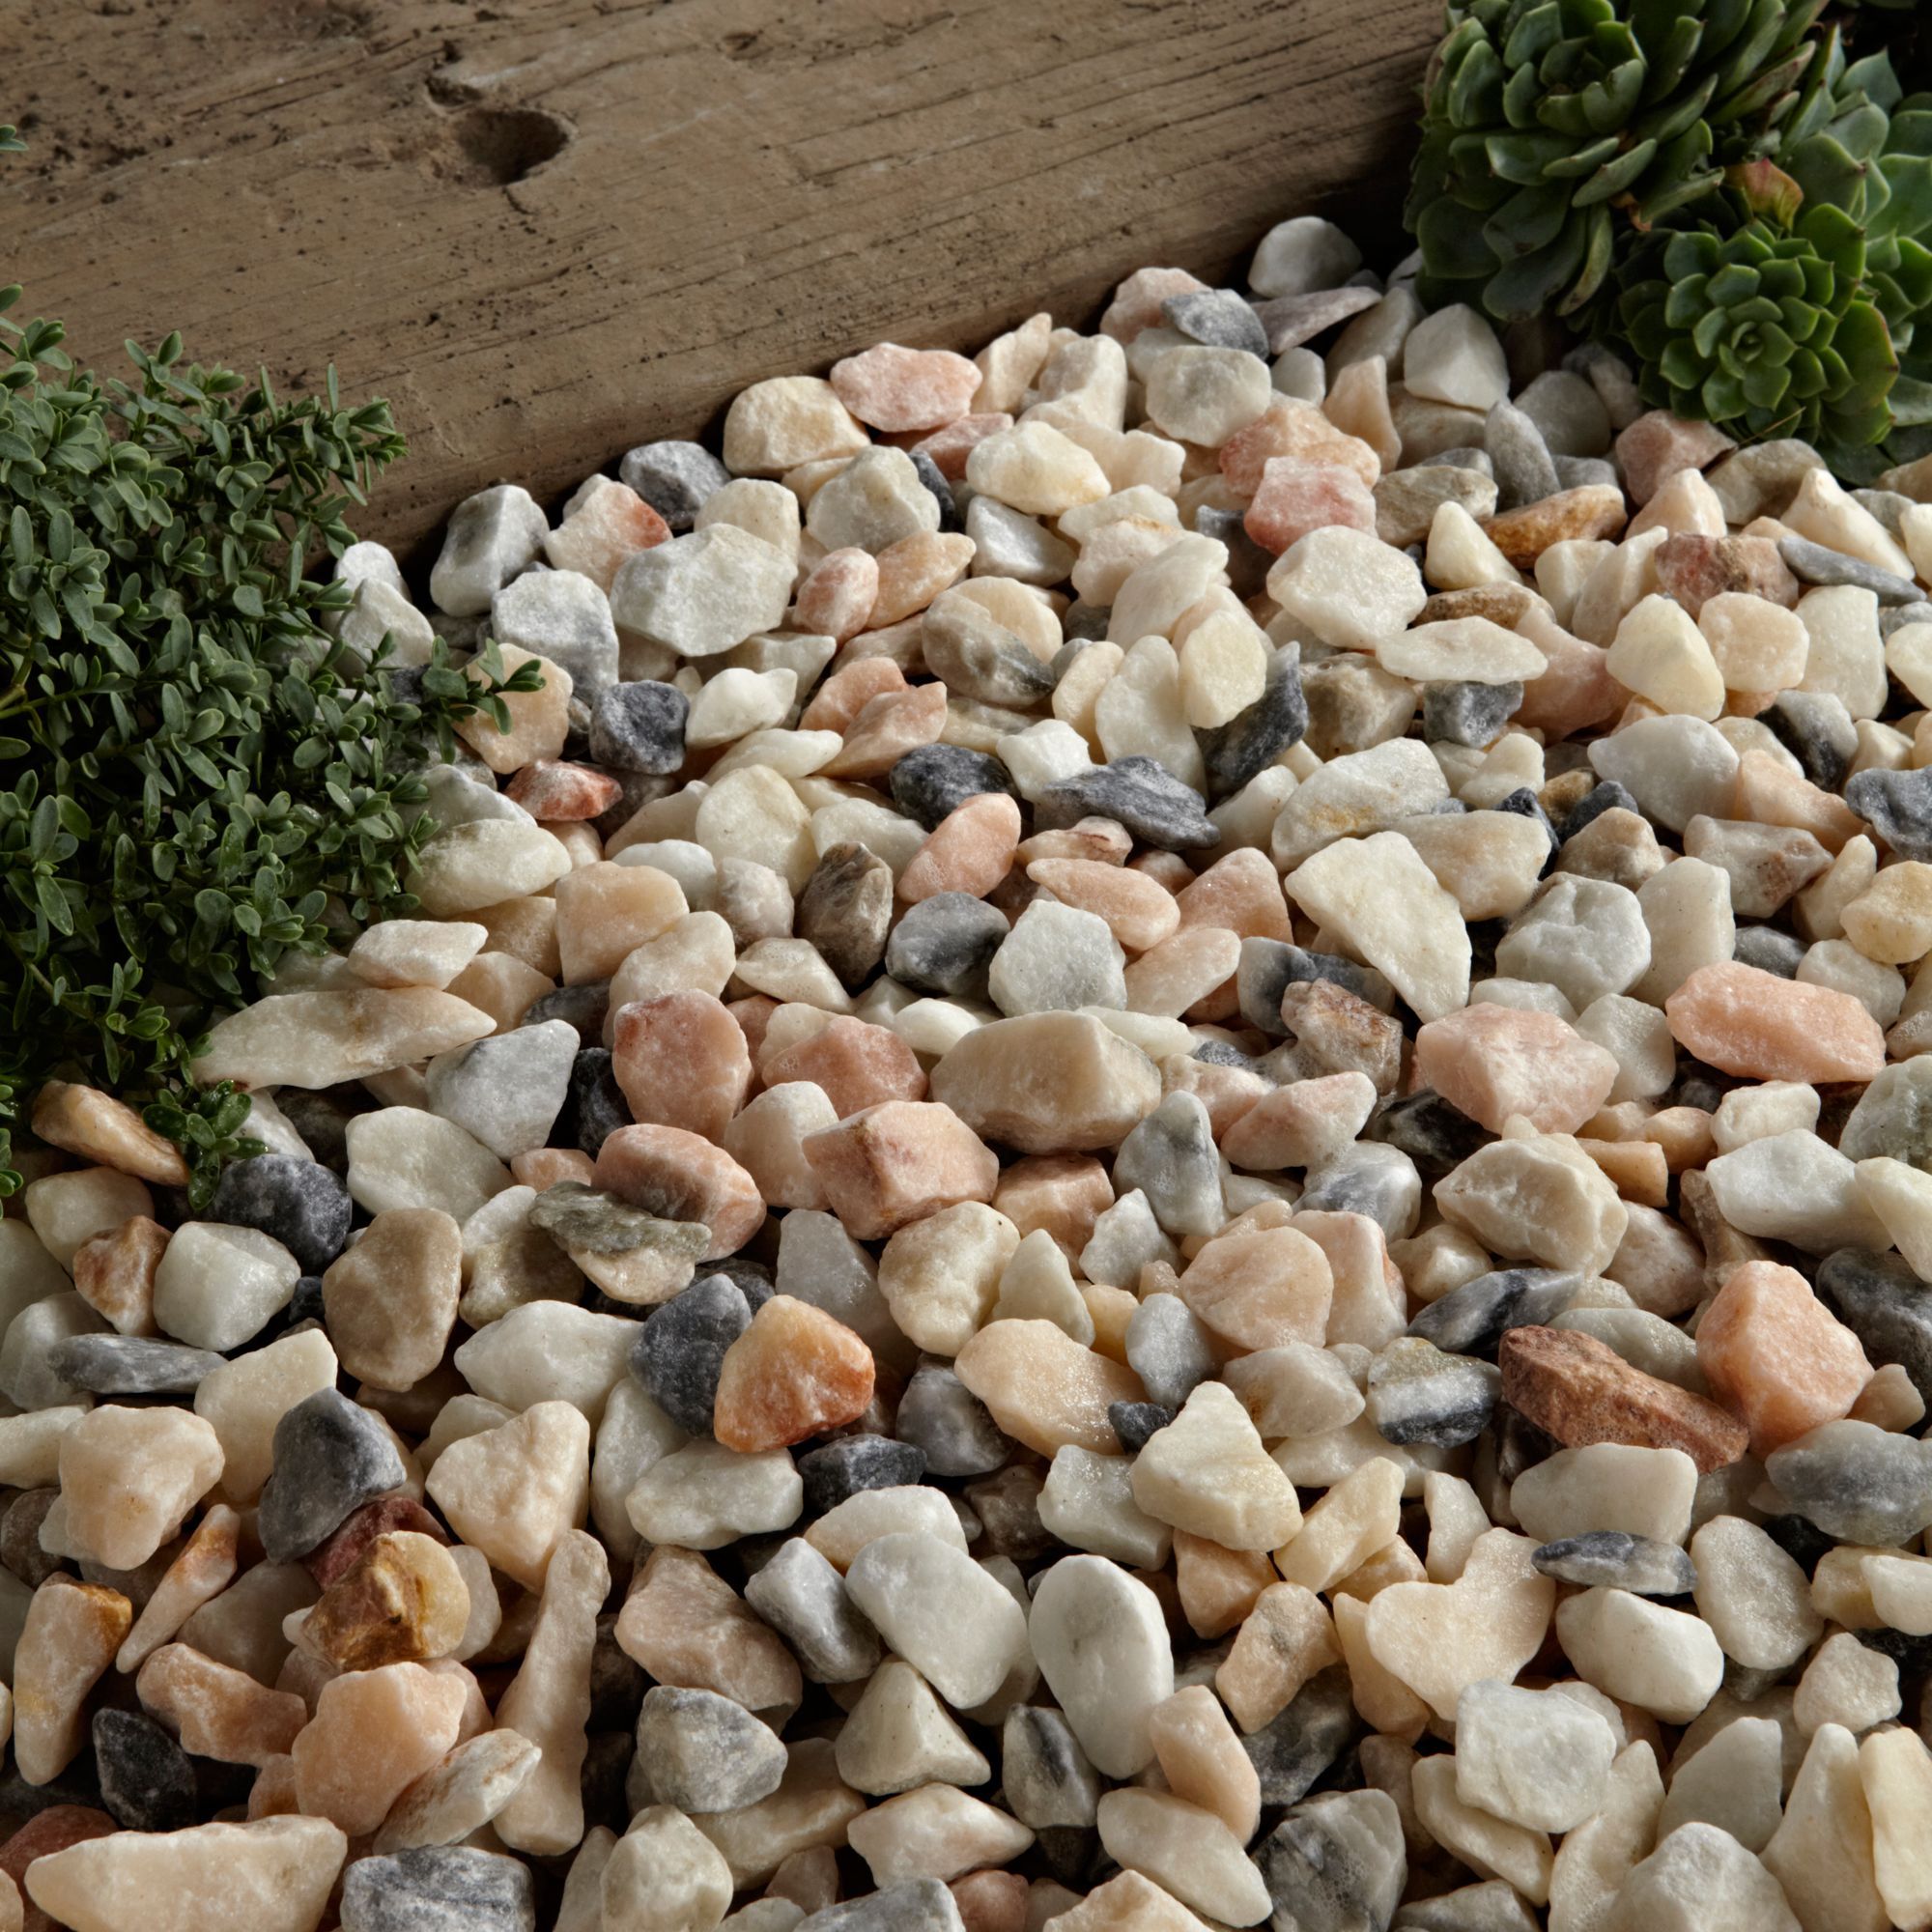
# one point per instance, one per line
(1419, 1393)
(1770, 951)
(1047, 1777)
(1897, 806)
(1170, 1350)
(1467, 714)
(1137, 1422)
(1814, 563)
(1616, 1560)
(1856, 1481)
(1818, 731)
(945, 944)
(585, 1007)
(679, 1352)
(1519, 458)
(912, 1905)
(331, 1456)
(946, 1420)
(842, 1468)
(1336, 1862)
(1893, 1115)
(675, 479)
(1370, 1177)
(300, 1202)
(1138, 793)
(1170, 1156)
(1470, 1320)
(802, 1597)
(1218, 316)
(596, 1107)
(1253, 739)
(703, 1752)
(1879, 1298)
(931, 780)
(129, 1365)
(147, 1780)
(1298, 1744)
(639, 726)
(439, 1888)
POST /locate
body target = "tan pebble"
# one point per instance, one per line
(1203, 1760)
(1048, 1082)
(1044, 1388)
(1286, 1638)
(1301, 1124)
(1218, 1586)
(217, 1710)
(1523, 535)
(127, 1477)
(525, 928)
(1171, 977)
(205, 1567)
(459, 1794)
(114, 1273)
(690, 1628)
(374, 1732)
(274, 1875)
(517, 1491)
(839, 699)
(390, 1301)
(98, 1127)
(682, 1176)
(501, 986)
(1139, 912)
(539, 720)
(887, 727)
(913, 571)
(794, 1373)
(1260, 1290)
(67, 1640)
(606, 911)
(1061, 1192)
(682, 1062)
(1775, 1355)
(1206, 1473)
(894, 1163)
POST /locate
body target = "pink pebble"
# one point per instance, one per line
(895, 389)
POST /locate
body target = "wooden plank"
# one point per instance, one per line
(550, 229)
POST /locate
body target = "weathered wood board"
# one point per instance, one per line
(549, 229)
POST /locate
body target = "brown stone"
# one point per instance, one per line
(858, 1065)
(991, 1901)
(682, 1062)
(114, 1273)
(403, 1601)
(390, 1301)
(688, 1627)
(98, 1127)
(1592, 510)
(215, 1710)
(794, 1373)
(1773, 1353)
(682, 1176)
(333, 1559)
(897, 1162)
(1659, 444)
(1743, 1020)
(1580, 1391)
(1693, 569)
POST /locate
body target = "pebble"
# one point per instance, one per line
(1615, 1559)
(329, 1457)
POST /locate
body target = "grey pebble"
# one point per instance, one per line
(1140, 794)
(1897, 806)
(1292, 320)
(1893, 1115)
(1614, 1559)
(129, 1365)
(1138, 1423)
(1578, 472)
(1883, 1303)
(300, 1202)
(940, 1414)
(802, 1597)
(1856, 1481)
(853, 1464)
(1814, 563)
(703, 1752)
(1818, 731)
(1299, 1743)
(439, 1888)
(1170, 1156)
(912, 1905)
(1047, 1778)
(1253, 739)
(1493, 1906)
(675, 479)
(1417, 1393)
(1370, 1177)
(946, 944)
(1467, 714)
(679, 1353)
(147, 1780)
(585, 1007)
(931, 780)
(331, 1456)
(639, 726)
(1888, 507)
(596, 1107)
(1170, 1350)
(1336, 1862)
(1220, 318)
(1770, 951)
(939, 489)
(1470, 1320)
(1519, 458)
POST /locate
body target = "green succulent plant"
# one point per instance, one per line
(1772, 329)
(1552, 128)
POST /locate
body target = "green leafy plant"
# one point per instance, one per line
(195, 779)
(1552, 129)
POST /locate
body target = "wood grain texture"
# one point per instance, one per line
(550, 229)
